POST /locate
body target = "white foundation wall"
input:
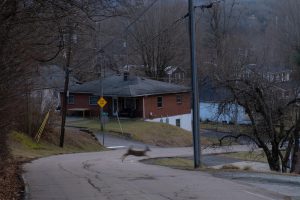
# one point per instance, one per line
(185, 121)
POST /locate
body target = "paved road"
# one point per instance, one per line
(116, 142)
(102, 176)
(288, 185)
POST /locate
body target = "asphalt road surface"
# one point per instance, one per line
(102, 176)
(116, 142)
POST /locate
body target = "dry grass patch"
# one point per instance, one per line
(230, 167)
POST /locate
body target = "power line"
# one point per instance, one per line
(129, 25)
(101, 50)
(174, 23)
(164, 30)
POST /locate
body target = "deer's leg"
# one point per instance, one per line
(124, 156)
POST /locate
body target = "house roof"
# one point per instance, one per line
(133, 86)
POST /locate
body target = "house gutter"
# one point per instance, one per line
(147, 94)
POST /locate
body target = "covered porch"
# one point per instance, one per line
(131, 107)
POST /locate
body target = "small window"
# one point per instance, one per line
(179, 99)
(93, 100)
(159, 102)
(71, 99)
(178, 122)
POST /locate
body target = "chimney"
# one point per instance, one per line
(126, 74)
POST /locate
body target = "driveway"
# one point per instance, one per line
(102, 176)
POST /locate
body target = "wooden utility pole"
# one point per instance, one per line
(195, 91)
(66, 86)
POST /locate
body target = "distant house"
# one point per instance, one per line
(274, 74)
(281, 79)
(212, 108)
(174, 74)
(134, 97)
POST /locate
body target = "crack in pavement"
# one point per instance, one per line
(93, 185)
(166, 197)
(68, 171)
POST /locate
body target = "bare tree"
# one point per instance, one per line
(157, 38)
(273, 121)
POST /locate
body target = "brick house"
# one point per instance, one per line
(134, 97)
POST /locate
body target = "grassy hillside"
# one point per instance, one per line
(24, 147)
(153, 133)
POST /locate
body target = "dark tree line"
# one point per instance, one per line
(32, 33)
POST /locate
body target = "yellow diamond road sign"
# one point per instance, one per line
(102, 102)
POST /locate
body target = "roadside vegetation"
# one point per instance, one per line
(257, 156)
(226, 128)
(152, 133)
(23, 149)
(188, 164)
(173, 162)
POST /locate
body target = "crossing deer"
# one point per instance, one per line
(134, 152)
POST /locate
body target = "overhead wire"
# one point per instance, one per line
(174, 23)
(101, 50)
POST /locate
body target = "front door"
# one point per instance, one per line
(115, 106)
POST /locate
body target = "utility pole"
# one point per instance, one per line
(99, 66)
(99, 63)
(195, 91)
(66, 87)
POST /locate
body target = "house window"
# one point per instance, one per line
(178, 122)
(93, 100)
(159, 102)
(179, 99)
(71, 99)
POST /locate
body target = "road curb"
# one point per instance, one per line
(26, 188)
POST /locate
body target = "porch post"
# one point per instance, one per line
(144, 112)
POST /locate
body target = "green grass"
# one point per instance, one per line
(258, 156)
(25, 140)
(153, 133)
(188, 164)
(175, 162)
(227, 128)
(24, 147)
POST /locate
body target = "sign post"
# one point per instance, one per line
(102, 102)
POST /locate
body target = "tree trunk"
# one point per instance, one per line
(273, 157)
(273, 162)
(296, 153)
